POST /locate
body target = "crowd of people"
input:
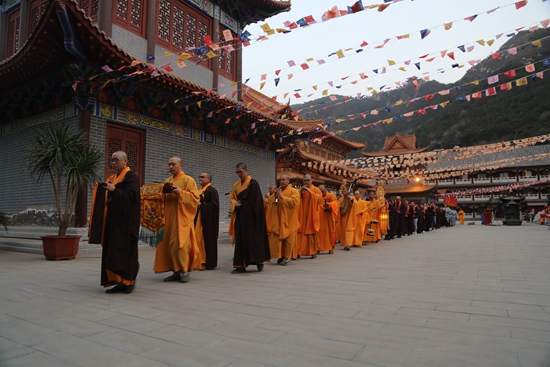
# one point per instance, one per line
(286, 224)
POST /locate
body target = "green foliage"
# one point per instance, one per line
(522, 112)
(64, 156)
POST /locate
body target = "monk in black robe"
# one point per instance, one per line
(248, 226)
(207, 222)
(118, 231)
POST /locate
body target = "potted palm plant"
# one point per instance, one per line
(63, 155)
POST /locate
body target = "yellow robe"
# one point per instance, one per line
(179, 251)
(328, 219)
(348, 223)
(272, 222)
(308, 216)
(374, 209)
(362, 217)
(287, 214)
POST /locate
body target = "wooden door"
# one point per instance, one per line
(129, 140)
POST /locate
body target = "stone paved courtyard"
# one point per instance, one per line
(469, 295)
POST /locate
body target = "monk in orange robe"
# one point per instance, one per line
(348, 213)
(362, 217)
(178, 251)
(272, 222)
(328, 215)
(288, 201)
(308, 216)
(375, 234)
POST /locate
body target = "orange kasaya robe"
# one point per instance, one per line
(272, 223)
(179, 251)
(374, 209)
(308, 216)
(287, 212)
(348, 222)
(461, 216)
(362, 217)
(328, 214)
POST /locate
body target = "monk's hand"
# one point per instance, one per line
(176, 190)
(238, 204)
(109, 186)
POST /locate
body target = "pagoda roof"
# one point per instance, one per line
(252, 11)
(398, 144)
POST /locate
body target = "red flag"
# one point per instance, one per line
(510, 73)
(496, 55)
(451, 55)
(520, 4)
(428, 97)
(491, 91)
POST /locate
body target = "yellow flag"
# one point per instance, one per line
(233, 84)
(314, 87)
(536, 43)
(387, 121)
(262, 85)
(448, 26)
(490, 42)
(309, 59)
(340, 53)
(166, 53)
(199, 104)
(340, 132)
(211, 54)
(325, 92)
(398, 102)
(481, 42)
(265, 27)
(475, 82)
(444, 104)
(281, 30)
(391, 62)
(520, 82)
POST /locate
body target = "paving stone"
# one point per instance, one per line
(460, 296)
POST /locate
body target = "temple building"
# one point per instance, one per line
(410, 187)
(309, 144)
(154, 78)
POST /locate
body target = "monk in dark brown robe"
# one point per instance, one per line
(207, 222)
(248, 226)
(118, 231)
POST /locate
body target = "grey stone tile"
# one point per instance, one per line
(471, 310)
(35, 358)
(506, 321)
(21, 330)
(319, 346)
(314, 360)
(469, 327)
(188, 337)
(11, 350)
(253, 352)
(251, 332)
(530, 334)
(126, 341)
(434, 314)
(131, 323)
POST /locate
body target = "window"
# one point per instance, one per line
(12, 32)
(130, 15)
(36, 9)
(180, 27)
(226, 59)
(90, 8)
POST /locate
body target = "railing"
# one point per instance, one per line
(527, 178)
(505, 179)
(463, 181)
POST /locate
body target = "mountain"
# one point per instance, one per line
(521, 112)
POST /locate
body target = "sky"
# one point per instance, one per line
(406, 17)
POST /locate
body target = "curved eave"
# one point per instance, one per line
(394, 152)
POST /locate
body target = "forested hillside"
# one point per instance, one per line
(521, 112)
